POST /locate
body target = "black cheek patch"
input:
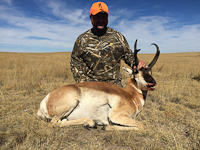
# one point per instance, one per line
(148, 78)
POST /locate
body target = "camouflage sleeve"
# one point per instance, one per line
(128, 54)
(78, 66)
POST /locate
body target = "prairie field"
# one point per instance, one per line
(171, 114)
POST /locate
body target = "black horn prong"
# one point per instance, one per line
(155, 57)
(135, 53)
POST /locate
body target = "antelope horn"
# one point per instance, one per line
(135, 54)
(155, 57)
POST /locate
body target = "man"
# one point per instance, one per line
(97, 53)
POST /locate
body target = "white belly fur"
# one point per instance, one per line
(94, 106)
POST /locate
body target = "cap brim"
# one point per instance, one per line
(102, 12)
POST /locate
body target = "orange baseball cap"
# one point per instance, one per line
(98, 7)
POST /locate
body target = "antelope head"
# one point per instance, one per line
(143, 77)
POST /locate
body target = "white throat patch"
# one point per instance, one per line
(138, 90)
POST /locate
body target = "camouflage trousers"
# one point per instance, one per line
(116, 82)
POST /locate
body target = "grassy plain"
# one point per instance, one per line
(171, 114)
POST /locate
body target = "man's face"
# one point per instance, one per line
(99, 21)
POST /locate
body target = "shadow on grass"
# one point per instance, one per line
(197, 78)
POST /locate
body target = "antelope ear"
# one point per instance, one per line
(127, 70)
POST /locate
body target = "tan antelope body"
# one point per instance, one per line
(91, 103)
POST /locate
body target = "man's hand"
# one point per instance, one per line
(140, 65)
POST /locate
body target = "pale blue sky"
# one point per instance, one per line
(54, 25)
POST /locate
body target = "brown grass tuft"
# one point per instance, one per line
(171, 114)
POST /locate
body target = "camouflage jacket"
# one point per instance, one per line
(97, 58)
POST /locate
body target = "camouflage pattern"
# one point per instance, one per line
(97, 58)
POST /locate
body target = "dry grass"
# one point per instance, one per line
(171, 114)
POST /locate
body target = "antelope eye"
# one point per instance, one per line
(136, 71)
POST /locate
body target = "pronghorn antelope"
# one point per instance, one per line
(91, 103)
